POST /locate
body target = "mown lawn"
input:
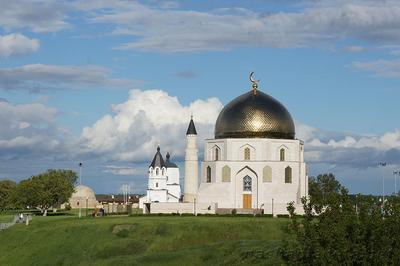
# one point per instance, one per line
(143, 240)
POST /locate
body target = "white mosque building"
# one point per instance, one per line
(254, 160)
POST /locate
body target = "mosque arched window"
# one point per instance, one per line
(226, 174)
(247, 154)
(267, 174)
(208, 174)
(216, 154)
(288, 175)
(282, 155)
(247, 183)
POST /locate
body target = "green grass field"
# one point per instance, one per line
(143, 240)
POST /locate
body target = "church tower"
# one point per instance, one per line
(191, 164)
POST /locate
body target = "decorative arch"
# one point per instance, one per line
(288, 174)
(267, 174)
(283, 153)
(208, 174)
(216, 153)
(248, 168)
(247, 152)
(246, 199)
(226, 174)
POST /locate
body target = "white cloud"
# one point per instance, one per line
(380, 68)
(350, 150)
(319, 22)
(146, 119)
(29, 130)
(38, 15)
(120, 170)
(17, 44)
(38, 77)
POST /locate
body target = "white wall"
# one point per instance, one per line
(169, 207)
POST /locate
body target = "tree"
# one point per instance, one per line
(46, 190)
(340, 233)
(322, 188)
(7, 191)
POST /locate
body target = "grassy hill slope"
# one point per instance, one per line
(144, 240)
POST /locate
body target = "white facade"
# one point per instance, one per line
(163, 184)
(273, 168)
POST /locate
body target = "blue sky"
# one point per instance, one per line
(104, 81)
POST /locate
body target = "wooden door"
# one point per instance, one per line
(246, 201)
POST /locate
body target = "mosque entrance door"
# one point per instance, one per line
(246, 201)
(247, 192)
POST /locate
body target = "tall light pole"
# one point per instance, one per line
(395, 173)
(383, 164)
(87, 199)
(80, 173)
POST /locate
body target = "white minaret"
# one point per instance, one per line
(191, 164)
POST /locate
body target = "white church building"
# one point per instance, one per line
(163, 184)
(253, 162)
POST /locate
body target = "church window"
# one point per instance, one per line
(156, 184)
(267, 174)
(208, 174)
(247, 183)
(247, 154)
(157, 171)
(282, 155)
(162, 172)
(288, 175)
(216, 154)
(226, 174)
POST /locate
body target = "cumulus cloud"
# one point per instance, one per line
(148, 118)
(348, 149)
(38, 77)
(380, 68)
(17, 44)
(38, 16)
(315, 23)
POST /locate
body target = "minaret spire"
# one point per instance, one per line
(191, 128)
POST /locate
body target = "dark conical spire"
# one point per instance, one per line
(158, 160)
(191, 129)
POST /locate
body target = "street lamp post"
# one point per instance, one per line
(395, 173)
(87, 199)
(383, 164)
(80, 173)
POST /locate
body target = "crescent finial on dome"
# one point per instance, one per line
(254, 82)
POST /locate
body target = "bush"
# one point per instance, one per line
(233, 212)
(283, 216)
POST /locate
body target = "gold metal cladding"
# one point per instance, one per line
(254, 116)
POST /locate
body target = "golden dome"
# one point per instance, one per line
(254, 115)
